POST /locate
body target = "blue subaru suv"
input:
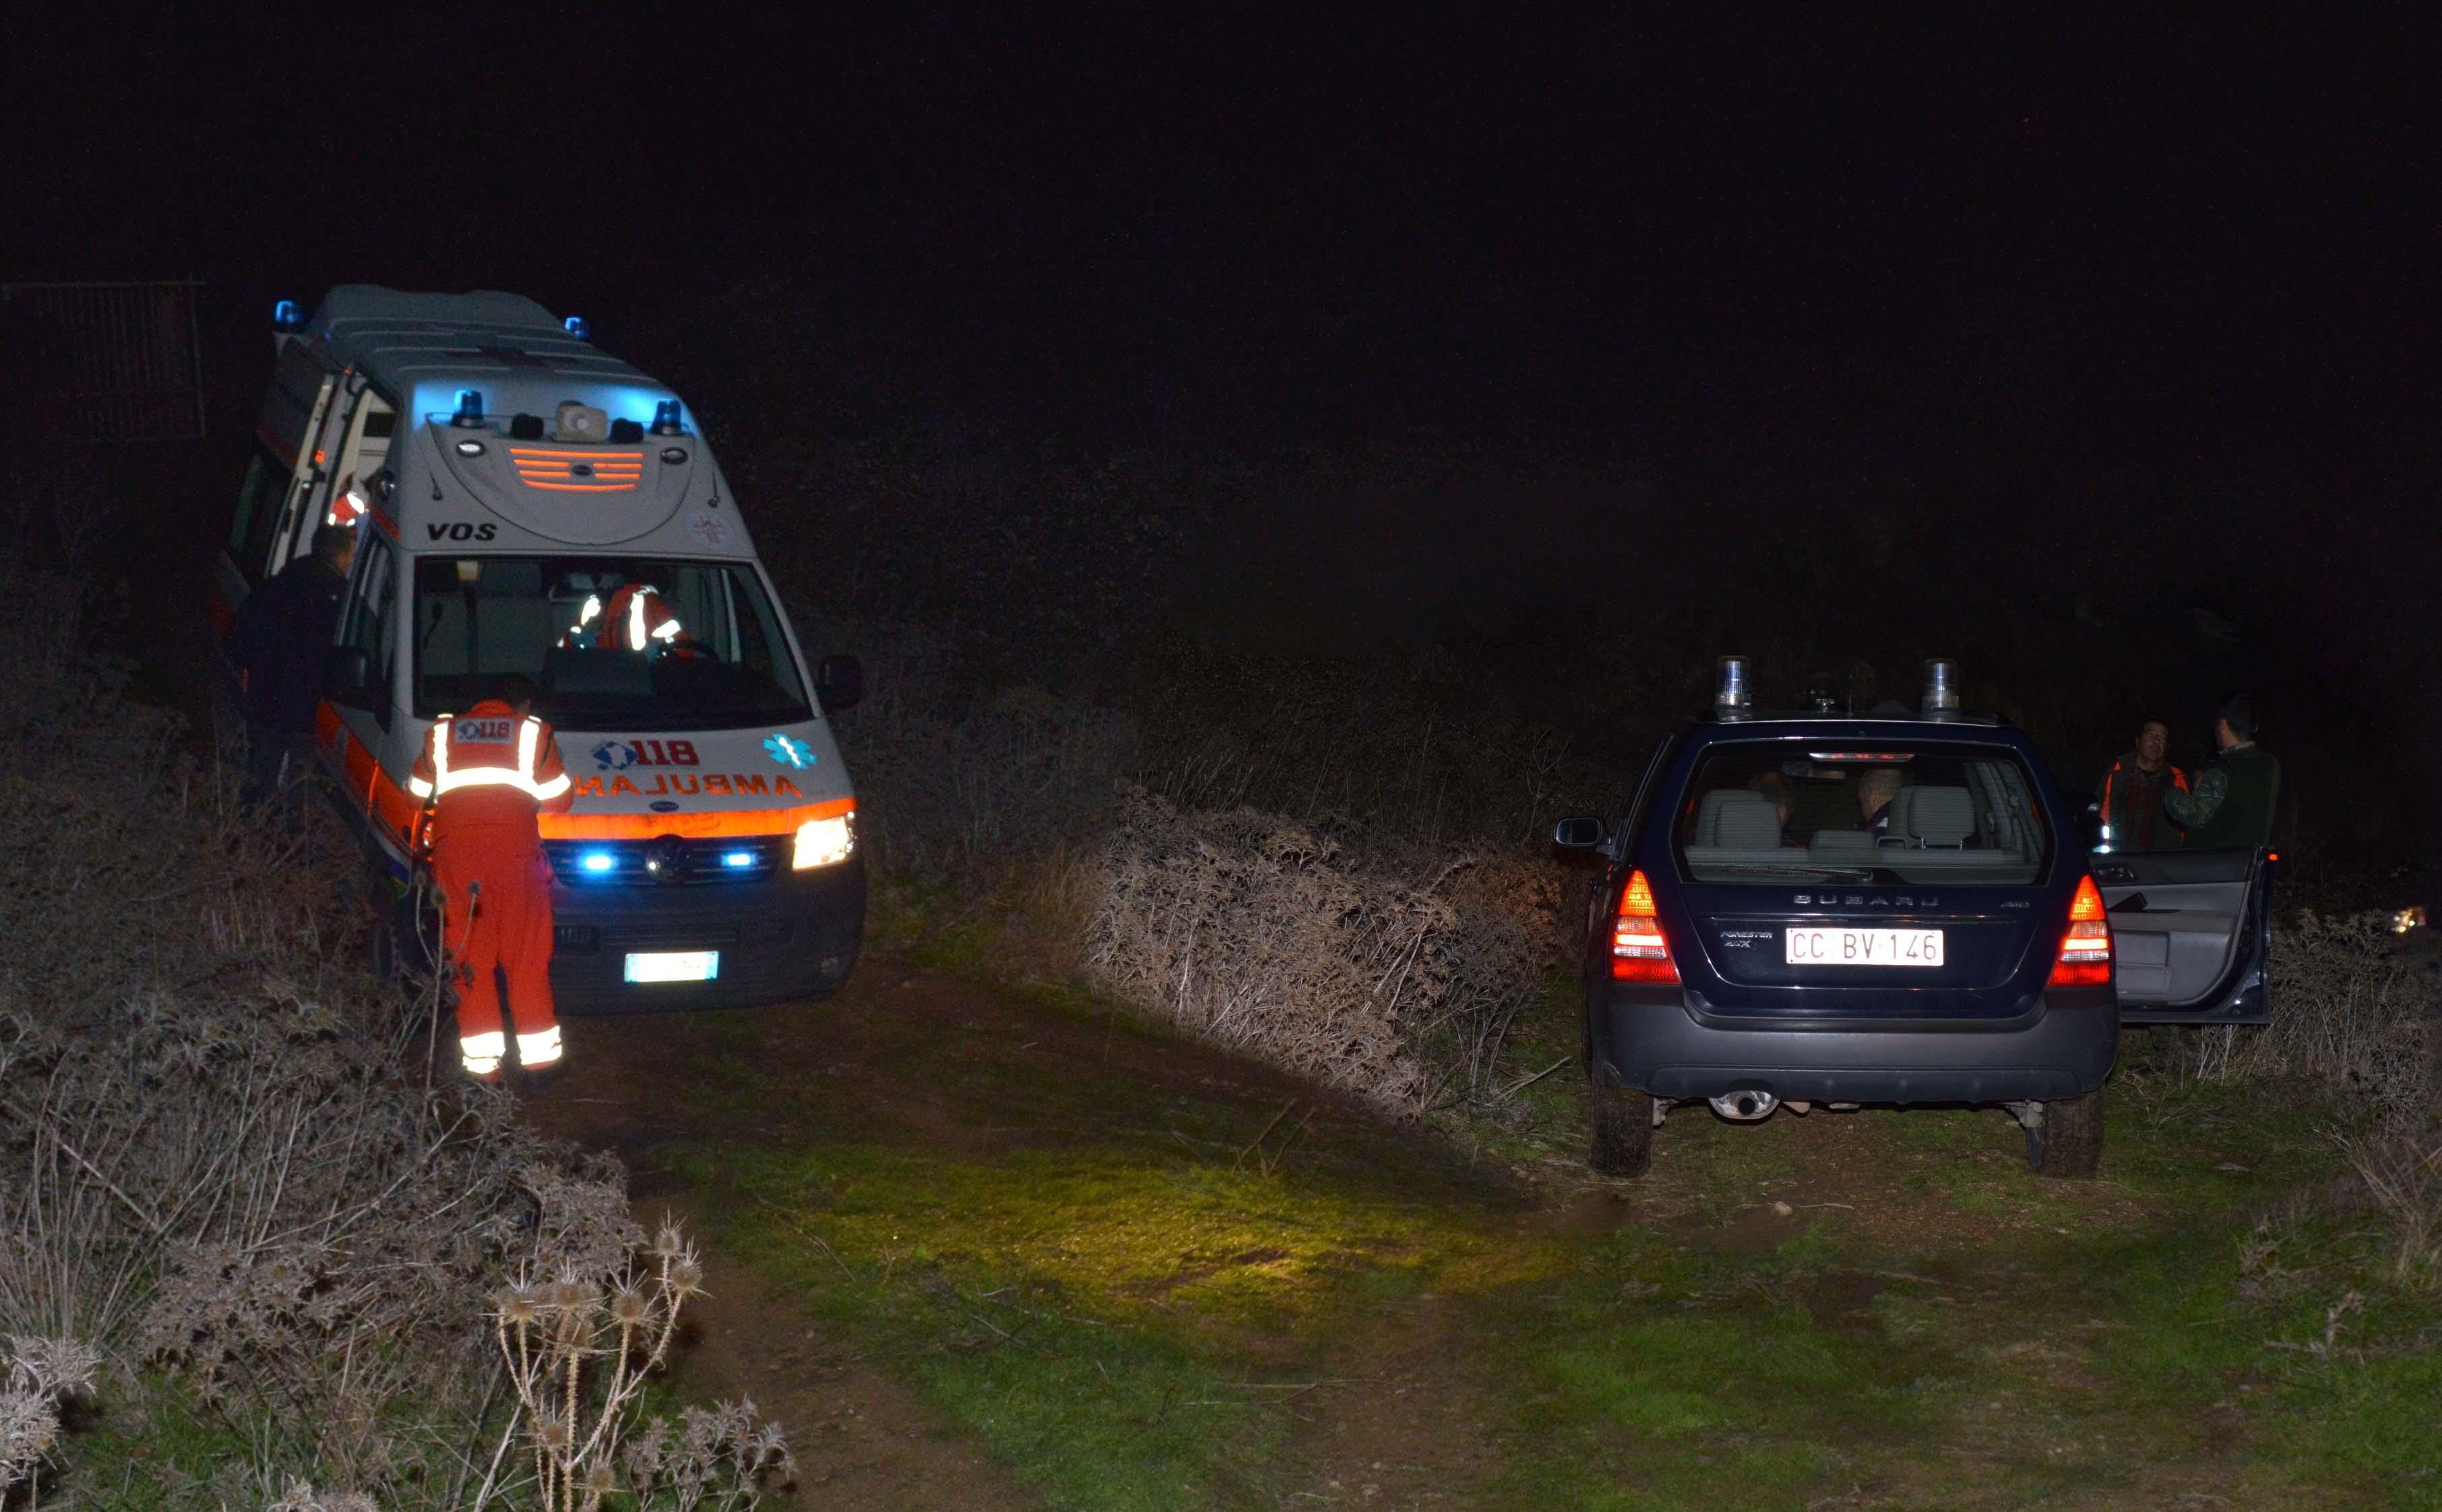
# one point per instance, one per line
(1830, 909)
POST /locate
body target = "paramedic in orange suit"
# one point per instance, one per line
(483, 775)
(638, 618)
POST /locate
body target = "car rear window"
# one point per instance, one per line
(1763, 811)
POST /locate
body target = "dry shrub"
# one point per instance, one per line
(2355, 1015)
(2349, 1016)
(225, 1171)
(579, 1349)
(39, 1375)
(242, 1189)
(1398, 984)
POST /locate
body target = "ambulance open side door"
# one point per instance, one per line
(363, 707)
(280, 476)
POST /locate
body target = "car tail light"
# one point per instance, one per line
(1638, 952)
(2085, 950)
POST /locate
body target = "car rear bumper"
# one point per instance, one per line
(794, 936)
(1658, 1041)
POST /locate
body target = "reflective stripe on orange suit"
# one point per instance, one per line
(636, 616)
(487, 774)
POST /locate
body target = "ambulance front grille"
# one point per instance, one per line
(668, 862)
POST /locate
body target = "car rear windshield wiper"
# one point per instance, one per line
(1829, 873)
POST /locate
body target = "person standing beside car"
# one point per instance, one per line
(2231, 804)
(2133, 790)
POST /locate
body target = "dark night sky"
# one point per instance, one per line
(1951, 228)
(2071, 266)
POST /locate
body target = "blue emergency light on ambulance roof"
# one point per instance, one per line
(285, 316)
(738, 860)
(577, 328)
(470, 407)
(665, 418)
(597, 862)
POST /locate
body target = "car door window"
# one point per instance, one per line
(369, 622)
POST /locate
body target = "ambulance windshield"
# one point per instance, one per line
(609, 642)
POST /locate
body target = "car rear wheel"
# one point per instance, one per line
(1620, 1120)
(2066, 1142)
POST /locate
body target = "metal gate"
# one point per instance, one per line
(101, 362)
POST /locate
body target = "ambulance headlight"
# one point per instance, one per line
(825, 842)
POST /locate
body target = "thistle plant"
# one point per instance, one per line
(40, 1372)
(578, 1350)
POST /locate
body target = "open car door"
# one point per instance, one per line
(2191, 933)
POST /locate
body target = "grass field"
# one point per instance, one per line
(1141, 1280)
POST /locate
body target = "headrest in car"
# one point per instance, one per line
(1940, 816)
(1737, 817)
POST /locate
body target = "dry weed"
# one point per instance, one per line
(2355, 1015)
(2349, 1014)
(578, 1348)
(1247, 929)
(218, 1161)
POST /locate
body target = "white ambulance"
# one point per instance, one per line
(510, 482)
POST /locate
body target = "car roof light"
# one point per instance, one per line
(1941, 686)
(470, 407)
(1731, 697)
(577, 328)
(665, 418)
(285, 316)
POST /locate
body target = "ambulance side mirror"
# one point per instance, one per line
(839, 683)
(348, 677)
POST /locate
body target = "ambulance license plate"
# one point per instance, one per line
(1822, 946)
(673, 965)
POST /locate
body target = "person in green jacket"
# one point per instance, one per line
(2231, 804)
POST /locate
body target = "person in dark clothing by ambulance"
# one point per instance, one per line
(281, 637)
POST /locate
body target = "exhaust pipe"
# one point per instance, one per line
(1745, 1107)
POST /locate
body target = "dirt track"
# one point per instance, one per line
(1916, 1253)
(873, 1060)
